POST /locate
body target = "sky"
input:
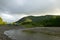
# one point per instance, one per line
(13, 10)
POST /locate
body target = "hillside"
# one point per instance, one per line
(33, 21)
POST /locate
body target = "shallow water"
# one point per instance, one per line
(20, 35)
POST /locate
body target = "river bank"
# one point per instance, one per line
(5, 28)
(52, 31)
(37, 33)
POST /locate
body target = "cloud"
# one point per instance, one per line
(21, 8)
(11, 18)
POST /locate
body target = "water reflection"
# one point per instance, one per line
(20, 35)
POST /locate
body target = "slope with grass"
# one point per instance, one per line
(40, 21)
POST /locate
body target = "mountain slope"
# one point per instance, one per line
(33, 21)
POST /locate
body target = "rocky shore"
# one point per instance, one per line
(45, 30)
(4, 37)
(5, 28)
(37, 33)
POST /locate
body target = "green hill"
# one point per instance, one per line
(40, 21)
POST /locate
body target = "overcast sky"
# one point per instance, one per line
(13, 10)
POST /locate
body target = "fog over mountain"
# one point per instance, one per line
(13, 10)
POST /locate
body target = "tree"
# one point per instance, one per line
(2, 22)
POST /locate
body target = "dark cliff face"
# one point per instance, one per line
(48, 20)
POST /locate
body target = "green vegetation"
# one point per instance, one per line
(40, 21)
(2, 22)
(36, 21)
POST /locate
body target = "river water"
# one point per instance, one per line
(20, 35)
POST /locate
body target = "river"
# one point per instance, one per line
(18, 34)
